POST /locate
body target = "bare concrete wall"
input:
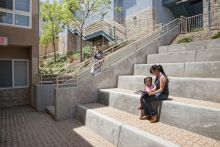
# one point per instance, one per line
(64, 102)
(43, 96)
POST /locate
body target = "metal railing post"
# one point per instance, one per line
(57, 82)
(41, 76)
(114, 29)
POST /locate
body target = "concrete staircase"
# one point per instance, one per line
(191, 115)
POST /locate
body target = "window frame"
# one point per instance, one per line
(13, 85)
(18, 12)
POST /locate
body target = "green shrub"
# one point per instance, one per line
(185, 40)
(196, 29)
(61, 58)
(215, 36)
(87, 52)
(76, 56)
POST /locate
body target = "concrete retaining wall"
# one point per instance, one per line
(43, 96)
(64, 102)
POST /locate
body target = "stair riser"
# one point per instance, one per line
(189, 56)
(202, 121)
(192, 46)
(117, 133)
(203, 89)
(190, 69)
(100, 124)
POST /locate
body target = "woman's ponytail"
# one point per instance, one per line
(160, 68)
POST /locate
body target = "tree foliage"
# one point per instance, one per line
(83, 10)
(53, 19)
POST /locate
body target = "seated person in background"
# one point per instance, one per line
(148, 87)
(97, 60)
(99, 52)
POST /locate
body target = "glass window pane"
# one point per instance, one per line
(20, 73)
(23, 5)
(6, 4)
(6, 18)
(5, 74)
(22, 20)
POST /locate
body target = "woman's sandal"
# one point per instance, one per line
(144, 117)
(153, 119)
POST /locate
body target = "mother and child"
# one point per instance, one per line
(157, 92)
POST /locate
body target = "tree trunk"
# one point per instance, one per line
(81, 46)
(54, 48)
(45, 54)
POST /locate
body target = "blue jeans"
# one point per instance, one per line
(147, 101)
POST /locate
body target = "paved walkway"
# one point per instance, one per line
(24, 127)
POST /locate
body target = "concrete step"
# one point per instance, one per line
(188, 69)
(126, 130)
(175, 111)
(197, 88)
(91, 137)
(51, 111)
(200, 45)
(185, 56)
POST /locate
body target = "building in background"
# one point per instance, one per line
(19, 51)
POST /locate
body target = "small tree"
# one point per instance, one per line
(45, 38)
(53, 17)
(83, 10)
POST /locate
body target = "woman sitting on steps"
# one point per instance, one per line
(158, 93)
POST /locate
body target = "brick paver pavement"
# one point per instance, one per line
(175, 135)
(24, 127)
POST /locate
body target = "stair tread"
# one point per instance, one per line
(51, 109)
(191, 78)
(194, 102)
(212, 49)
(173, 134)
(91, 137)
(199, 62)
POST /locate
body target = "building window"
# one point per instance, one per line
(6, 18)
(22, 20)
(16, 13)
(6, 4)
(14, 73)
(5, 74)
(23, 5)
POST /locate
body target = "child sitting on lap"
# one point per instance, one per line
(148, 87)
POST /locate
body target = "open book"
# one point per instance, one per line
(142, 92)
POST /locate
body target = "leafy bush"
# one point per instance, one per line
(49, 66)
(185, 40)
(215, 36)
(87, 52)
(76, 55)
(196, 29)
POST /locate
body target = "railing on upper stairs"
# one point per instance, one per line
(113, 31)
(197, 23)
